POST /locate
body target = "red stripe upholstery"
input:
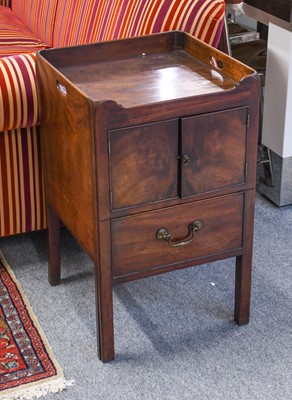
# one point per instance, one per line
(38, 16)
(6, 3)
(13, 33)
(21, 186)
(18, 95)
(113, 19)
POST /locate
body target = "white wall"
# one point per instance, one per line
(277, 119)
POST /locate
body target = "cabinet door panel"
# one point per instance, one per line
(215, 145)
(143, 164)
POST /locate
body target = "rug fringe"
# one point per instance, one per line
(37, 391)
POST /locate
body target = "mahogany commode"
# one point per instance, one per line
(149, 152)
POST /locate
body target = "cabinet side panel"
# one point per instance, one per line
(67, 151)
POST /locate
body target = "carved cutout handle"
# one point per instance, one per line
(163, 234)
(61, 88)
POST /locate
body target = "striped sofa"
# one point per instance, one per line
(27, 26)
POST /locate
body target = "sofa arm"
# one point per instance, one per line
(5, 3)
(18, 93)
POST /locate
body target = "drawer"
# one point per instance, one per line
(217, 229)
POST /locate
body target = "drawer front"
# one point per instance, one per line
(143, 164)
(218, 228)
(215, 145)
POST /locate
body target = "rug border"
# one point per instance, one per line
(48, 383)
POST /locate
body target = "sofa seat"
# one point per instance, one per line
(27, 26)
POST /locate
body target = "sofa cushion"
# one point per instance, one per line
(92, 21)
(38, 16)
(6, 51)
(14, 36)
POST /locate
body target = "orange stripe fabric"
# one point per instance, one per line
(13, 33)
(76, 22)
(38, 16)
(93, 21)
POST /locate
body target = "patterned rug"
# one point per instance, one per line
(28, 369)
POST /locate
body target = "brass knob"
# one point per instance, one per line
(186, 160)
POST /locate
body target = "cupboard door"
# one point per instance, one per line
(143, 164)
(213, 152)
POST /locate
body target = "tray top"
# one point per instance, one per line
(145, 70)
(147, 79)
